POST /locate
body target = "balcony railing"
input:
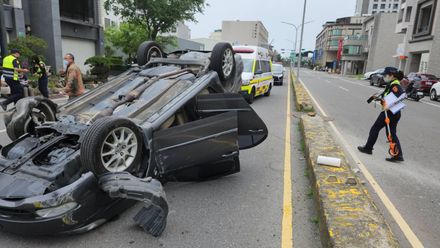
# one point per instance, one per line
(356, 37)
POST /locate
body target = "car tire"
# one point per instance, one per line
(148, 50)
(111, 144)
(433, 96)
(18, 124)
(223, 61)
(250, 99)
(371, 82)
(268, 92)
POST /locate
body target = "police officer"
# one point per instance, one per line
(392, 77)
(11, 70)
(40, 71)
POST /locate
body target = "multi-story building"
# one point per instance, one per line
(251, 33)
(419, 22)
(371, 7)
(343, 36)
(66, 26)
(382, 41)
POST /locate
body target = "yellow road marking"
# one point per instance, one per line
(406, 229)
(287, 232)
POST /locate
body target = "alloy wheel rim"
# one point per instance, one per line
(119, 149)
(228, 62)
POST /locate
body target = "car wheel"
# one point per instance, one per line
(223, 61)
(268, 92)
(250, 99)
(433, 95)
(148, 50)
(371, 82)
(111, 145)
(18, 123)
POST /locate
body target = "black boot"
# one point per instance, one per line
(365, 150)
(395, 159)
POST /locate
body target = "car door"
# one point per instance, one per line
(252, 130)
(198, 150)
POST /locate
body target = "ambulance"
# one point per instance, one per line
(257, 78)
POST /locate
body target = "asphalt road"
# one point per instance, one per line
(413, 186)
(242, 210)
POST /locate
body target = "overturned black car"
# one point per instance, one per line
(175, 117)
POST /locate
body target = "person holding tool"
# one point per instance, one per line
(11, 73)
(387, 118)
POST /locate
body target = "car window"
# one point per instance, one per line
(258, 66)
(265, 66)
(248, 64)
(428, 77)
(277, 68)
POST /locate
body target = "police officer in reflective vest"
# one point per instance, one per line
(40, 70)
(11, 70)
(392, 77)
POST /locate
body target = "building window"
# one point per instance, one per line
(400, 18)
(334, 43)
(408, 14)
(375, 6)
(424, 18)
(337, 32)
(81, 10)
(382, 6)
(351, 50)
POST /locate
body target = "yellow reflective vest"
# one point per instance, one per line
(9, 71)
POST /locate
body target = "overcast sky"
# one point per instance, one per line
(271, 13)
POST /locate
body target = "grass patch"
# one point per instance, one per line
(310, 193)
(314, 220)
(306, 173)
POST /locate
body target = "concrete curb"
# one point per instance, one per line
(302, 99)
(347, 215)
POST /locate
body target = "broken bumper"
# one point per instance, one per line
(64, 210)
(86, 204)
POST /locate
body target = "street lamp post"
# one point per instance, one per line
(296, 27)
(301, 39)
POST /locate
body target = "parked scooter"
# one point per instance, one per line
(414, 91)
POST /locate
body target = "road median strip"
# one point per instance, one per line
(302, 99)
(347, 215)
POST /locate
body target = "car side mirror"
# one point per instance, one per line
(259, 72)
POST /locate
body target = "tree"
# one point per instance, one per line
(29, 46)
(156, 16)
(126, 37)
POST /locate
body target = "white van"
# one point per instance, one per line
(257, 78)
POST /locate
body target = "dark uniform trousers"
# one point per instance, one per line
(379, 125)
(17, 91)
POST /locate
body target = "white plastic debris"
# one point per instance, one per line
(329, 161)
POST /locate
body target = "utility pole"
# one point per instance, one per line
(301, 39)
(3, 31)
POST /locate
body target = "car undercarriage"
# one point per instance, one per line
(72, 167)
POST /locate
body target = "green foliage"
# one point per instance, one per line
(129, 36)
(101, 66)
(29, 46)
(126, 37)
(155, 16)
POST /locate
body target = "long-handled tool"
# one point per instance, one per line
(394, 150)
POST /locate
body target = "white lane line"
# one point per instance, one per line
(431, 104)
(406, 229)
(362, 85)
(327, 81)
(3, 130)
(342, 88)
